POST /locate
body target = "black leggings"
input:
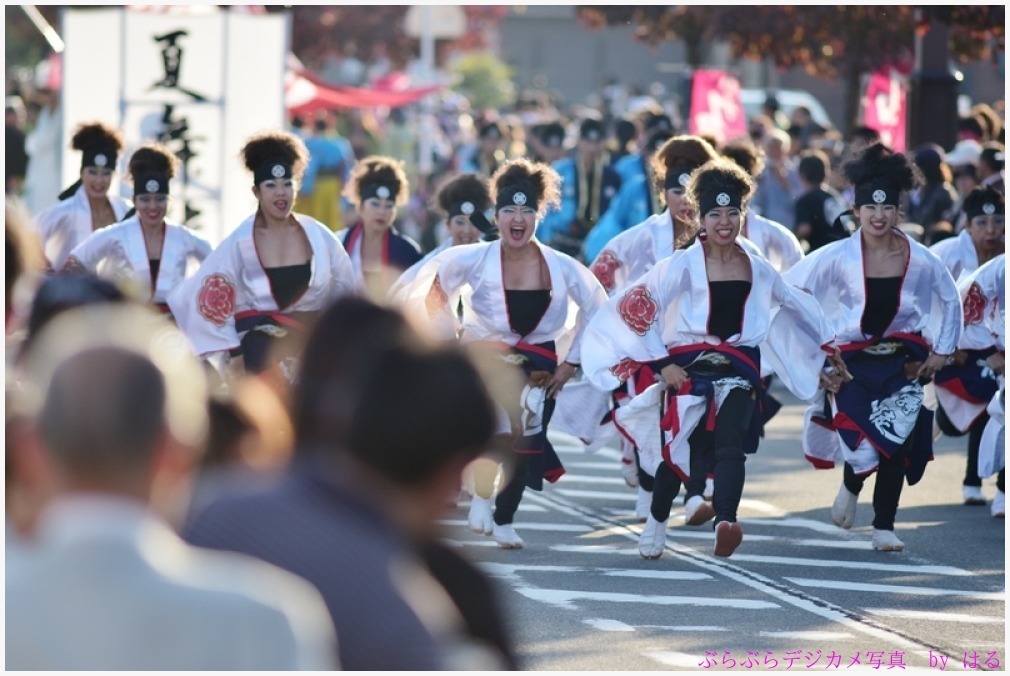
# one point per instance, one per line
(507, 502)
(720, 449)
(886, 491)
(971, 477)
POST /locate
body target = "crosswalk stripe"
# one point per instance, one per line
(608, 625)
(857, 565)
(598, 495)
(509, 569)
(930, 615)
(808, 635)
(564, 598)
(895, 589)
(590, 479)
(672, 658)
(554, 527)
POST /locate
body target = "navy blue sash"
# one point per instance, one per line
(399, 252)
(973, 381)
(542, 460)
(872, 405)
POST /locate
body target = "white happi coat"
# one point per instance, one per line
(232, 280)
(928, 304)
(775, 241)
(118, 252)
(66, 224)
(478, 267)
(669, 307)
(983, 298)
(398, 290)
(958, 254)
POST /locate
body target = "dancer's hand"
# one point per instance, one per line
(673, 376)
(561, 376)
(837, 363)
(934, 362)
(995, 362)
(832, 382)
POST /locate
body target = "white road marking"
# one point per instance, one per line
(625, 496)
(554, 527)
(658, 574)
(808, 635)
(589, 479)
(857, 565)
(809, 524)
(510, 569)
(929, 615)
(672, 658)
(589, 464)
(896, 589)
(683, 628)
(608, 625)
(564, 598)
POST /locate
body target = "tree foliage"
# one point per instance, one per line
(485, 80)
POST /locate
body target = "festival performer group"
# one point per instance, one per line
(665, 344)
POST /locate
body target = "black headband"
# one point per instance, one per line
(271, 171)
(677, 176)
(516, 194)
(476, 216)
(99, 156)
(988, 207)
(382, 191)
(719, 197)
(156, 184)
(877, 193)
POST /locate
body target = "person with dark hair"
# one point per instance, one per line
(639, 197)
(588, 184)
(488, 154)
(246, 308)
(634, 252)
(330, 161)
(818, 209)
(928, 204)
(16, 157)
(379, 252)
(990, 166)
(624, 133)
(463, 200)
(145, 253)
(517, 295)
(775, 241)
(87, 205)
(897, 318)
(983, 237)
(964, 388)
(356, 513)
(551, 137)
(698, 318)
(119, 418)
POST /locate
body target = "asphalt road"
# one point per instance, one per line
(799, 593)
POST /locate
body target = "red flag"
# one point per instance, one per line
(884, 107)
(716, 109)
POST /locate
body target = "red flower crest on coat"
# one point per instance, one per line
(974, 305)
(625, 370)
(217, 299)
(436, 298)
(604, 266)
(638, 309)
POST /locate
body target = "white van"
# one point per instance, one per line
(753, 99)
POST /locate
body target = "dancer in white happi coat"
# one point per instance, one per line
(87, 205)
(463, 200)
(982, 238)
(379, 252)
(964, 388)
(775, 241)
(518, 296)
(897, 318)
(624, 259)
(971, 388)
(145, 253)
(704, 319)
(247, 307)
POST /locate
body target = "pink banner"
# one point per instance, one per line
(716, 109)
(884, 107)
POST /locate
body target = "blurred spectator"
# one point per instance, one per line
(15, 153)
(964, 154)
(487, 155)
(43, 143)
(772, 111)
(929, 203)
(23, 261)
(119, 418)
(818, 208)
(399, 140)
(990, 166)
(624, 134)
(330, 162)
(992, 126)
(551, 142)
(779, 185)
(965, 180)
(356, 514)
